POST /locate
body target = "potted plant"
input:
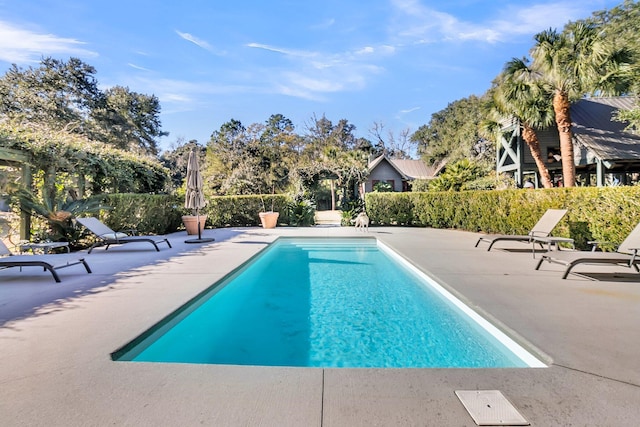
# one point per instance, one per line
(191, 223)
(269, 219)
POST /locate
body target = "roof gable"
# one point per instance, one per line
(383, 158)
(408, 169)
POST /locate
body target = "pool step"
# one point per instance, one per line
(328, 218)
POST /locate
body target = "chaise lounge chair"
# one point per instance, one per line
(626, 255)
(8, 260)
(542, 230)
(107, 237)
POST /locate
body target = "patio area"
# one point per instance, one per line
(56, 339)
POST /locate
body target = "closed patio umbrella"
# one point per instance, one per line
(194, 196)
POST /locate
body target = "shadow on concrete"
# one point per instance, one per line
(34, 293)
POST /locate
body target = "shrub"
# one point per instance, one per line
(420, 185)
(242, 211)
(390, 208)
(595, 213)
(350, 211)
(147, 213)
(300, 212)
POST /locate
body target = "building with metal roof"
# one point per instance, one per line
(397, 172)
(604, 152)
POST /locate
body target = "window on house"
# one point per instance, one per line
(382, 186)
(553, 154)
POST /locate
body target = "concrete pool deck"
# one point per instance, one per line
(55, 342)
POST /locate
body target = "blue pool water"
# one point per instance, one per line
(327, 303)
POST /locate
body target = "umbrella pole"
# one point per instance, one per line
(198, 221)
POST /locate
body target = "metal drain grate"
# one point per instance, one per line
(490, 408)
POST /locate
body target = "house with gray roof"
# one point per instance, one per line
(604, 152)
(397, 172)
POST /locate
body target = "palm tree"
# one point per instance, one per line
(575, 62)
(518, 92)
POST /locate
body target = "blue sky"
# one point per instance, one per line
(391, 62)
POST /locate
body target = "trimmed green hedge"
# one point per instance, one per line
(604, 214)
(147, 213)
(162, 214)
(595, 213)
(242, 211)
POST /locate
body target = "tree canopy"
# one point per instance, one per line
(273, 157)
(64, 95)
(622, 26)
(453, 134)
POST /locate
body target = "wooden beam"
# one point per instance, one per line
(25, 218)
(10, 157)
(599, 173)
(16, 156)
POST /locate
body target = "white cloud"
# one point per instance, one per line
(414, 21)
(137, 67)
(315, 84)
(365, 50)
(420, 24)
(18, 45)
(311, 75)
(324, 25)
(409, 110)
(199, 42)
(182, 95)
(382, 50)
(193, 39)
(533, 19)
(283, 51)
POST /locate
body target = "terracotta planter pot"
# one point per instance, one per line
(191, 223)
(269, 219)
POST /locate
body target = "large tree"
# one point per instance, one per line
(58, 94)
(64, 95)
(232, 166)
(127, 120)
(454, 134)
(332, 151)
(176, 159)
(576, 62)
(621, 26)
(257, 159)
(517, 92)
(395, 147)
(279, 146)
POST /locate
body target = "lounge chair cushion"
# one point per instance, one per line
(114, 236)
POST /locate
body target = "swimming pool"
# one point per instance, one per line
(328, 302)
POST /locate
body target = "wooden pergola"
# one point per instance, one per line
(18, 159)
